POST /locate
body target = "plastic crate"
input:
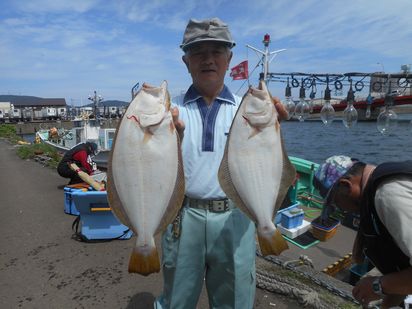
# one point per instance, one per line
(324, 230)
(292, 218)
(323, 235)
(294, 232)
(278, 216)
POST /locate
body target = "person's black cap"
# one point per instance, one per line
(93, 149)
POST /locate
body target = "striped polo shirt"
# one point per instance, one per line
(206, 131)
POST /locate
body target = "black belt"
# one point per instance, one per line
(211, 205)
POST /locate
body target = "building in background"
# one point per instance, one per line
(28, 108)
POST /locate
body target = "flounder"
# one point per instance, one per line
(145, 173)
(255, 171)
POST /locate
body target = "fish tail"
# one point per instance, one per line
(144, 261)
(272, 243)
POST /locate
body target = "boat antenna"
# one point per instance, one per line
(96, 99)
(267, 56)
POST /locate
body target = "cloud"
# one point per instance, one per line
(321, 23)
(70, 47)
(55, 6)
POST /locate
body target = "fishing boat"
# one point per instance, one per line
(84, 129)
(369, 110)
(303, 189)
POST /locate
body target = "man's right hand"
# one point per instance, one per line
(179, 124)
(282, 112)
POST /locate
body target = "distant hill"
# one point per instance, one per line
(19, 98)
(25, 100)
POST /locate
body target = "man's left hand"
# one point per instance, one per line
(179, 124)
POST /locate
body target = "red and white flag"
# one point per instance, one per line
(240, 71)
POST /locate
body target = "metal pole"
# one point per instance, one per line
(265, 57)
(95, 104)
(266, 62)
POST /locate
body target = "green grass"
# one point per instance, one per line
(8, 132)
(30, 151)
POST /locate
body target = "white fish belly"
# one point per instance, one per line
(255, 165)
(145, 173)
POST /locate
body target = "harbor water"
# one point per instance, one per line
(313, 141)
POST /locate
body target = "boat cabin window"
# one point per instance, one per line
(93, 123)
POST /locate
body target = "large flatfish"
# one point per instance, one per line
(255, 171)
(145, 173)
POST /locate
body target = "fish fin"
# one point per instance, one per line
(288, 177)
(277, 125)
(226, 183)
(112, 195)
(116, 205)
(272, 244)
(176, 200)
(143, 262)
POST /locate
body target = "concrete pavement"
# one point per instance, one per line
(41, 266)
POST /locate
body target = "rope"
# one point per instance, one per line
(275, 284)
(303, 260)
(271, 285)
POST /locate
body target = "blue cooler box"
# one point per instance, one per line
(96, 218)
(69, 206)
(292, 218)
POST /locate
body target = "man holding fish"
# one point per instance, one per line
(211, 240)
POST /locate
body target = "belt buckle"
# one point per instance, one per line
(219, 206)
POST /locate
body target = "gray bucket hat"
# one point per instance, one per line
(206, 30)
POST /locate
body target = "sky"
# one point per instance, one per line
(71, 48)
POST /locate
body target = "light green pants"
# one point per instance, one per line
(218, 248)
